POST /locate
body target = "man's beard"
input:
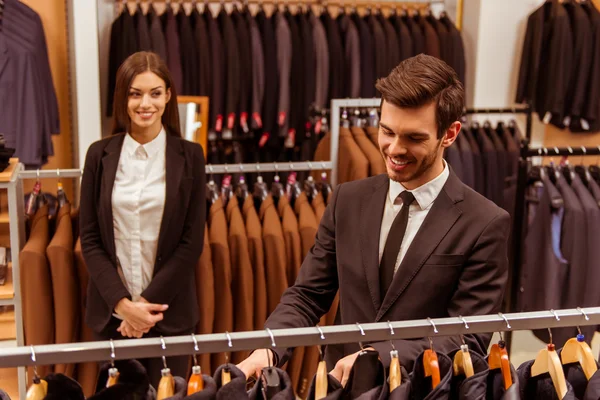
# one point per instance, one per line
(422, 167)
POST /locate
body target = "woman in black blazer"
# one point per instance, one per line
(142, 215)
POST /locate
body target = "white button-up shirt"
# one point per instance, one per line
(138, 201)
(425, 195)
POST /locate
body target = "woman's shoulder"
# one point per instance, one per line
(105, 143)
(190, 147)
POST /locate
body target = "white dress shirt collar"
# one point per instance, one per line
(130, 145)
(425, 194)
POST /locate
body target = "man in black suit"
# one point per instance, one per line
(412, 244)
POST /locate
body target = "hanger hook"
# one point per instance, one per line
(556, 150)
(464, 321)
(583, 313)
(38, 174)
(196, 348)
(273, 344)
(430, 343)
(112, 353)
(435, 330)
(229, 343)
(462, 338)
(320, 332)
(505, 320)
(392, 333)
(34, 359)
(58, 172)
(555, 315)
(550, 333)
(163, 345)
(584, 151)
(362, 332)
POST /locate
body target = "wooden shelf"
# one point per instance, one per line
(7, 325)
(4, 217)
(8, 172)
(7, 290)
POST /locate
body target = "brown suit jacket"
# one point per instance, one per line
(457, 265)
(257, 258)
(352, 163)
(242, 284)
(275, 255)
(86, 372)
(65, 285)
(322, 153)
(219, 246)
(205, 286)
(179, 242)
(376, 161)
(293, 249)
(318, 206)
(36, 288)
(373, 134)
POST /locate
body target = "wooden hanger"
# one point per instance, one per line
(498, 359)
(547, 361)
(576, 350)
(113, 372)
(462, 364)
(321, 380)
(196, 382)
(431, 365)
(395, 371)
(39, 389)
(166, 386)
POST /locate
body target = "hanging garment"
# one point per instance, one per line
(123, 43)
(405, 42)
(244, 44)
(367, 57)
(309, 60)
(221, 261)
(321, 48)
(173, 60)
(318, 206)
(86, 372)
(458, 49)
(203, 62)
(367, 380)
(477, 161)
(495, 386)
(473, 387)
(283, 37)
(190, 68)
(65, 286)
(217, 55)
(402, 392)
(208, 393)
(242, 283)
(595, 190)
(144, 41)
(371, 152)
(205, 288)
(37, 298)
(421, 385)
(489, 158)
(296, 122)
(271, 90)
(373, 133)
(352, 163)
(231, 68)
(576, 377)
(379, 40)
(466, 160)
(236, 388)
(133, 382)
(257, 258)
(334, 389)
(275, 254)
(432, 41)
(592, 103)
(446, 41)
(180, 389)
(258, 72)
(337, 80)
(539, 387)
(391, 39)
(62, 387)
(351, 43)
(284, 392)
(452, 156)
(157, 36)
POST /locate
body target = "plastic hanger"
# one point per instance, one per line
(462, 363)
(576, 350)
(395, 374)
(498, 359)
(166, 386)
(39, 389)
(113, 372)
(431, 364)
(547, 361)
(321, 376)
(196, 382)
(310, 187)
(60, 192)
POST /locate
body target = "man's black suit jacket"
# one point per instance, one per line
(457, 265)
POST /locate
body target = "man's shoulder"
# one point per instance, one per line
(480, 208)
(363, 186)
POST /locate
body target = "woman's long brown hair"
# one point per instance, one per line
(134, 65)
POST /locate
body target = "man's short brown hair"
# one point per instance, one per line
(418, 81)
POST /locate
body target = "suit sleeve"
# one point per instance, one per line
(313, 292)
(480, 291)
(102, 269)
(183, 261)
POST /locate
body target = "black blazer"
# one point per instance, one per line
(180, 240)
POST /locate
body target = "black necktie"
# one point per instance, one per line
(392, 244)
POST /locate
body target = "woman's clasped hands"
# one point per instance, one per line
(138, 316)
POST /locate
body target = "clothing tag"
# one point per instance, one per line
(585, 124)
(257, 119)
(290, 139)
(227, 134)
(263, 139)
(219, 123)
(281, 118)
(244, 122)
(230, 120)
(547, 117)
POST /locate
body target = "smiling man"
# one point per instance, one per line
(412, 244)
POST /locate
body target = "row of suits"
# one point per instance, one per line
(29, 113)
(251, 255)
(559, 74)
(560, 256)
(291, 62)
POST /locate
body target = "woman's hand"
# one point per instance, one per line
(128, 331)
(140, 315)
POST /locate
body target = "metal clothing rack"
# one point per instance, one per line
(509, 110)
(353, 3)
(293, 337)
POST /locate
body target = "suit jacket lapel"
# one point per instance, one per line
(110, 163)
(441, 217)
(175, 163)
(371, 215)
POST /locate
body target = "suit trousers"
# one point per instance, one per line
(179, 365)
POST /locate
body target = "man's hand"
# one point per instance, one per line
(342, 369)
(254, 364)
(128, 331)
(141, 316)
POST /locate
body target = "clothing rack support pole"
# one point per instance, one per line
(529, 124)
(335, 141)
(16, 208)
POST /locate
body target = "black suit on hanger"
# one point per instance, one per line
(391, 40)
(144, 41)
(245, 54)
(217, 57)
(173, 48)
(458, 49)
(123, 43)
(416, 33)
(157, 36)
(379, 42)
(405, 43)
(592, 103)
(367, 57)
(351, 43)
(232, 68)
(337, 80)
(296, 88)
(189, 56)
(201, 39)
